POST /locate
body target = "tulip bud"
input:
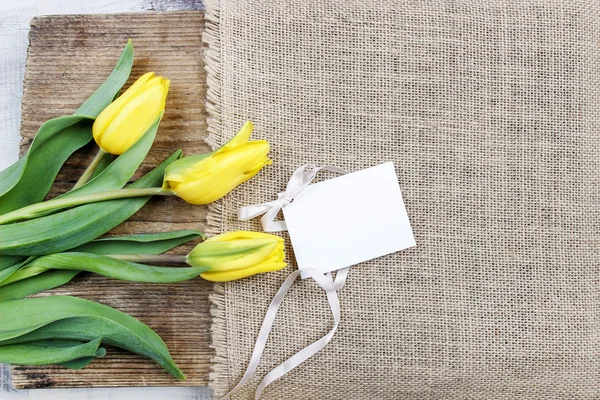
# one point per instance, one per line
(126, 119)
(237, 255)
(207, 177)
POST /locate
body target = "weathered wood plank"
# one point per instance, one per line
(68, 57)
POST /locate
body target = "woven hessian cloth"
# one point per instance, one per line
(490, 111)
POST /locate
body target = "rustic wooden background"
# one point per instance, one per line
(68, 57)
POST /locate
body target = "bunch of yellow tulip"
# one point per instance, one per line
(122, 129)
(200, 179)
(44, 244)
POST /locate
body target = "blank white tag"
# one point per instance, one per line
(348, 220)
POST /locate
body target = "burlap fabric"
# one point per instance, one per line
(489, 110)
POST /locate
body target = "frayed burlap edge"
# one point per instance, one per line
(218, 378)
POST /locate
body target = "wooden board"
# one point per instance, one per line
(68, 57)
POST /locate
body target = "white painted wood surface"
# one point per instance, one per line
(14, 27)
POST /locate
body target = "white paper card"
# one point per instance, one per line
(349, 219)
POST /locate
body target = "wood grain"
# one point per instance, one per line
(68, 57)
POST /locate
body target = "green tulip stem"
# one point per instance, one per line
(35, 210)
(151, 258)
(89, 171)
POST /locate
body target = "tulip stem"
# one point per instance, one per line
(151, 258)
(35, 210)
(89, 171)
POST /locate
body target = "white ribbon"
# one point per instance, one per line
(300, 179)
(331, 287)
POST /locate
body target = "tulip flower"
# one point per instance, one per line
(198, 179)
(205, 178)
(230, 256)
(237, 255)
(124, 121)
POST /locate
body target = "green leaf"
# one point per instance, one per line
(149, 243)
(24, 282)
(64, 317)
(118, 173)
(116, 269)
(29, 179)
(36, 284)
(8, 272)
(9, 261)
(186, 163)
(105, 161)
(76, 364)
(24, 272)
(74, 227)
(79, 363)
(49, 352)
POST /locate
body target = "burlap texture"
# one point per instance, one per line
(489, 110)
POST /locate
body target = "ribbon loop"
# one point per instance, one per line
(330, 286)
(301, 178)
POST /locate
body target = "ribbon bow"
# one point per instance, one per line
(300, 179)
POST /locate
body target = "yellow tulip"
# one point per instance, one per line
(126, 119)
(237, 255)
(207, 177)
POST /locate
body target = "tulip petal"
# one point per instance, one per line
(239, 139)
(106, 116)
(190, 168)
(242, 273)
(197, 192)
(242, 235)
